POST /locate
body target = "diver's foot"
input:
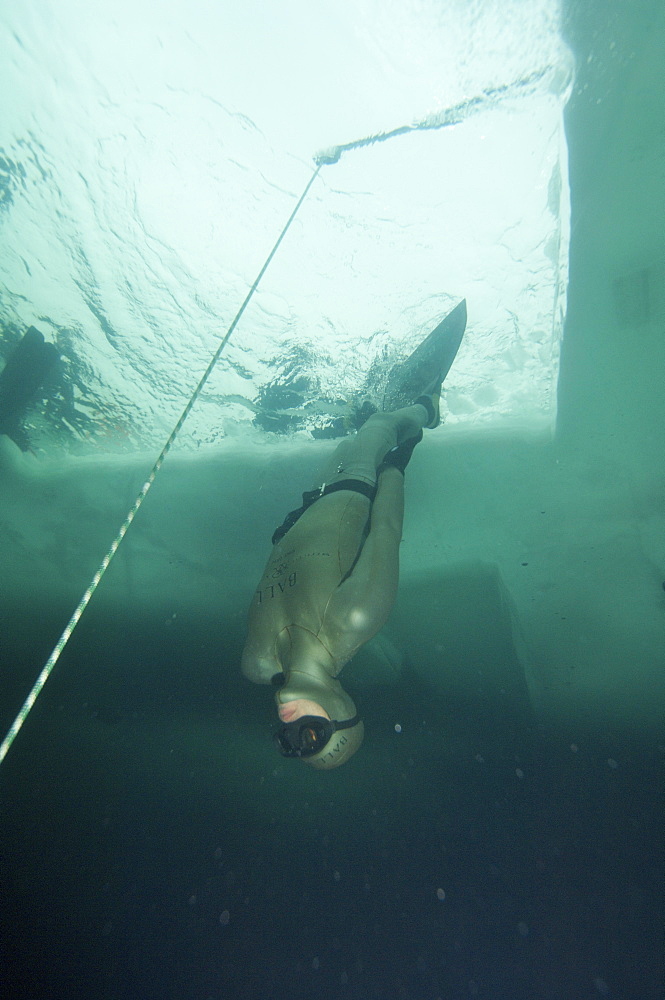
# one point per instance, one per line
(432, 405)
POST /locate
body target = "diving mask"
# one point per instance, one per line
(308, 735)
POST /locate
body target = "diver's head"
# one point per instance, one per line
(323, 728)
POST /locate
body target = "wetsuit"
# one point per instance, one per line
(331, 579)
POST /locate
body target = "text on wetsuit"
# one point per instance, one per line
(274, 589)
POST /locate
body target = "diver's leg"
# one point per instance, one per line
(362, 602)
(360, 456)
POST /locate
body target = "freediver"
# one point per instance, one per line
(331, 579)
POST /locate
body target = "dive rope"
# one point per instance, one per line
(103, 566)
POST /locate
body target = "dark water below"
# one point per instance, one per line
(153, 846)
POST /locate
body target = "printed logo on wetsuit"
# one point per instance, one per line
(340, 743)
(275, 589)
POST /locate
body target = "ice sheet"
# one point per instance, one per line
(149, 166)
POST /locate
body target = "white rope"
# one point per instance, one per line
(122, 531)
